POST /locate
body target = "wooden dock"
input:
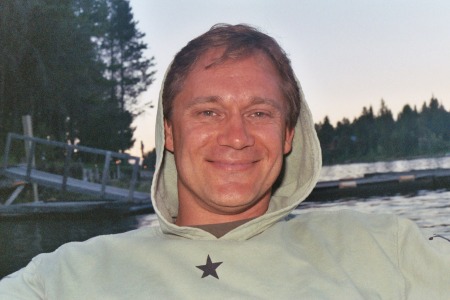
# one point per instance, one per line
(74, 185)
(110, 199)
(73, 209)
(381, 184)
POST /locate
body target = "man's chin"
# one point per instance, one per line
(233, 204)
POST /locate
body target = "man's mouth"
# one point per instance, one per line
(233, 166)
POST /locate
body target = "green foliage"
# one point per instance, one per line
(373, 137)
(54, 66)
(127, 70)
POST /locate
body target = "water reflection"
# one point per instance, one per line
(429, 209)
(359, 169)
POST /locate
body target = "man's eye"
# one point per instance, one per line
(208, 113)
(260, 114)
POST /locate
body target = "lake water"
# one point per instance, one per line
(358, 170)
(429, 209)
(20, 240)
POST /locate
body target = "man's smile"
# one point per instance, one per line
(233, 165)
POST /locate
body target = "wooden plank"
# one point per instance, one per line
(14, 195)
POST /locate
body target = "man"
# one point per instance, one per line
(237, 152)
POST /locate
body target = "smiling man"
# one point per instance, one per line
(237, 152)
(229, 137)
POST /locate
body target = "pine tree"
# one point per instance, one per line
(406, 132)
(325, 132)
(19, 58)
(384, 124)
(364, 132)
(128, 71)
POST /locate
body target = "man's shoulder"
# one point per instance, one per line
(98, 248)
(345, 217)
(145, 234)
(346, 226)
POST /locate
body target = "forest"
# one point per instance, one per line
(76, 66)
(378, 136)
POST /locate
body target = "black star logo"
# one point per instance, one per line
(209, 268)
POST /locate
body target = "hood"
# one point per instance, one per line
(299, 176)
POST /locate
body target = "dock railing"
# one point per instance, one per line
(28, 170)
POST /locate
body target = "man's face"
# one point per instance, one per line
(228, 134)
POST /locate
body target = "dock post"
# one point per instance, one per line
(105, 173)
(7, 147)
(67, 160)
(29, 149)
(133, 180)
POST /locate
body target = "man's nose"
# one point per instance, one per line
(235, 133)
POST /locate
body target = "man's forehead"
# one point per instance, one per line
(212, 59)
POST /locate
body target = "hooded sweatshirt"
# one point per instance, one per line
(317, 255)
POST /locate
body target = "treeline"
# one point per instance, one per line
(76, 66)
(379, 136)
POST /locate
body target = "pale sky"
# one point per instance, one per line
(346, 54)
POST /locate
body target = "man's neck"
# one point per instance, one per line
(189, 215)
(219, 230)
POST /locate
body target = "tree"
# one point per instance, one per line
(434, 122)
(384, 124)
(346, 140)
(128, 71)
(436, 118)
(406, 132)
(53, 67)
(74, 75)
(107, 119)
(364, 132)
(18, 59)
(325, 132)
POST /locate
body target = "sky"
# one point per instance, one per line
(346, 54)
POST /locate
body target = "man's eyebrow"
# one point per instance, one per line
(255, 101)
(203, 100)
(267, 101)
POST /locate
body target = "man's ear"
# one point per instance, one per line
(288, 140)
(168, 135)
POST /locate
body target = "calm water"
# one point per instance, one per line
(429, 209)
(358, 170)
(20, 240)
